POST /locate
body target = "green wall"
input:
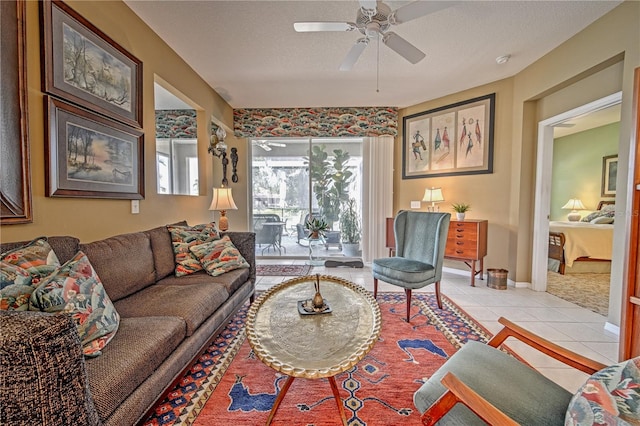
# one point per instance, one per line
(577, 167)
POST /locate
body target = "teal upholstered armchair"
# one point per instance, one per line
(420, 241)
(481, 384)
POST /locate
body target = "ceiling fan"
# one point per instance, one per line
(266, 144)
(373, 20)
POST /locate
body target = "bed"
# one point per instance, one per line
(585, 246)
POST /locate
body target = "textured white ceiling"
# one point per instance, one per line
(250, 54)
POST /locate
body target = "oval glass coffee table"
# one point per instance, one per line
(313, 346)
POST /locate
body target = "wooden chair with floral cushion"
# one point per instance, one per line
(482, 384)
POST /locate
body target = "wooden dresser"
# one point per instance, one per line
(467, 242)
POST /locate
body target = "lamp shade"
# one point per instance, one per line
(222, 200)
(433, 195)
(574, 204)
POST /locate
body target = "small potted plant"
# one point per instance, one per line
(350, 229)
(460, 210)
(316, 227)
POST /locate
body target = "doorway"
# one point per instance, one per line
(543, 190)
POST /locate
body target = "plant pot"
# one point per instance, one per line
(460, 216)
(351, 249)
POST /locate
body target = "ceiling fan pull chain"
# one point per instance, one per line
(378, 66)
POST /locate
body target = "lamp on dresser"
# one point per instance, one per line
(223, 201)
(433, 195)
(574, 204)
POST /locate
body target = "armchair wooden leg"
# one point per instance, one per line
(375, 288)
(407, 291)
(438, 295)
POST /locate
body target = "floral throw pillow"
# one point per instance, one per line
(183, 237)
(76, 289)
(610, 397)
(218, 257)
(37, 258)
(15, 287)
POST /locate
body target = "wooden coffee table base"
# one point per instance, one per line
(287, 385)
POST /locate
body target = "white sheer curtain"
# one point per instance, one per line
(377, 197)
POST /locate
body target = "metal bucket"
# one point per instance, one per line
(497, 278)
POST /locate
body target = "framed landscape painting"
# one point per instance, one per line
(86, 67)
(609, 175)
(451, 140)
(91, 156)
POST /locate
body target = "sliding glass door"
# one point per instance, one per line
(295, 178)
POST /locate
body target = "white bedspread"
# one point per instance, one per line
(583, 239)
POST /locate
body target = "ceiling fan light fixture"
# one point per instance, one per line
(503, 59)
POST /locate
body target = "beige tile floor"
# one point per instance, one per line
(555, 319)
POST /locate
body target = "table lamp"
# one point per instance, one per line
(223, 201)
(433, 195)
(574, 204)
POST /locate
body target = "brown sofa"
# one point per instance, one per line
(165, 322)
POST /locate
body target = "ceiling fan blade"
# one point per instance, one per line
(353, 55)
(418, 9)
(402, 47)
(305, 27)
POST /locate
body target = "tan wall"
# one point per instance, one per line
(92, 219)
(488, 194)
(596, 62)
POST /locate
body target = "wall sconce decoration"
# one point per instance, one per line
(223, 201)
(433, 195)
(234, 164)
(218, 148)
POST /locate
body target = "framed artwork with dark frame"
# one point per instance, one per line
(83, 65)
(451, 140)
(15, 187)
(90, 156)
(609, 175)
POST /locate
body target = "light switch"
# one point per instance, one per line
(135, 206)
(415, 204)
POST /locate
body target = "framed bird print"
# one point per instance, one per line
(451, 140)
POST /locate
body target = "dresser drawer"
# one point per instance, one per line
(461, 248)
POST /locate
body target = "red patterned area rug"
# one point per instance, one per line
(283, 270)
(230, 386)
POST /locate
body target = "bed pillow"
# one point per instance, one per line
(182, 238)
(37, 258)
(15, 287)
(75, 288)
(602, 220)
(599, 213)
(218, 257)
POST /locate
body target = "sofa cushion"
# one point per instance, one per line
(43, 380)
(477, 365)
(15, 287)
(36, 257)
(611, 396)
(231, 281)
(183, 237)
(124, 263)
(194, 303)
(75, 288)
(136, 351)
(219, 256)
(163, 256)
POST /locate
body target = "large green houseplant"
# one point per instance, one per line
(350, 229)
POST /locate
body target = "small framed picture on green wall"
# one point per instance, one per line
(609, 175)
